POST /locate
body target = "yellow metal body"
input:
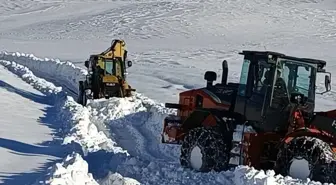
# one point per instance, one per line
(116, 52)
(110, 79)
(116, 55)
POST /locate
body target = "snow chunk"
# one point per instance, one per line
(117, 179)
(81, 130)
(72, 170)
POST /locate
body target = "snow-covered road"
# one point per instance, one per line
(27, 132)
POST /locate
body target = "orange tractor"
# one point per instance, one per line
(267, 120)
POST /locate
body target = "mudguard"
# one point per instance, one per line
(211, 117)
(311, 132)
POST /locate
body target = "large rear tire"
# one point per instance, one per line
(204, 149)
(307, 157)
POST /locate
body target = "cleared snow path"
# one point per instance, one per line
(28, 144)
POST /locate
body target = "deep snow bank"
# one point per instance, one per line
(135, 123)
(65, 73)
(80, 134)
(72, 170)
(77, 127)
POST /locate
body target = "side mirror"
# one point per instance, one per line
(129, 63)
(327, 83)
(210, 76)
(86, 64)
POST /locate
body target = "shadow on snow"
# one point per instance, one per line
(52, 148)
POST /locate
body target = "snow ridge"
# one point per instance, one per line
(51, 69)
(71, 171)
(75, 133)
(81, 134)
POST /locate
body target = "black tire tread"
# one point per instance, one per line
(214, 149)
(318, 153)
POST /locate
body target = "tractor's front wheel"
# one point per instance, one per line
(307, 157)
(204, 149)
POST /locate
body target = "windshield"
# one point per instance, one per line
(243, 77)
(109, 66)
(299, 77)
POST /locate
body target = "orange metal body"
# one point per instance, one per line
(256, 145)
(173, 133)
(188, 101)
(259, 149)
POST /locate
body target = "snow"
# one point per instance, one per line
(27, 133)
(66, 112)
(172, 43)
(171, 40)
(71, 171)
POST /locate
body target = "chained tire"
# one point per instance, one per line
(307, 157)
(204, 149)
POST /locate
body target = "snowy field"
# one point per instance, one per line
(26, 131)
(172, 43)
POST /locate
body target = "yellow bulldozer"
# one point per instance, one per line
(106, 74)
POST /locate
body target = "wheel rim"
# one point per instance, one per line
(196, 158)
(299, 168)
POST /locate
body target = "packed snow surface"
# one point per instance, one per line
(172, 44)
(61, 119)
(26, 141)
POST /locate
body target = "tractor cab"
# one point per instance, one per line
(107, 66)
(106, 74)
(271, 84)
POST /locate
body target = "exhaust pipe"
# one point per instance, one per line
(225, 72)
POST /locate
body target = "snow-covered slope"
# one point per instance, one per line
(133, 153)
(63, 110)
(172, 44)
(28, 134)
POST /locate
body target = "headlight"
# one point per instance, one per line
(110, 84)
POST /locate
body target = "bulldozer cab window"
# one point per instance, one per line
(261, 82)
(300, 78)
(109, 67)
(280, 95)
(243, 77)
(262, 77)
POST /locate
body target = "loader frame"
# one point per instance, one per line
(222, 108)
(106, 74)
